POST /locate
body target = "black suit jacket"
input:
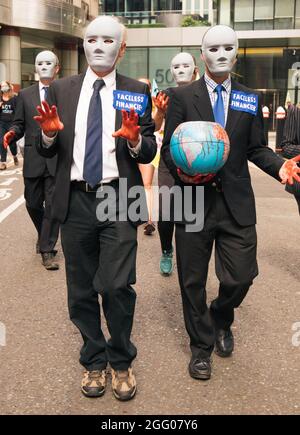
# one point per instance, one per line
(247, 142)
(64, 93)
(24, 125)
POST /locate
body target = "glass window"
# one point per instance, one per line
(243, 10)
(284, 14)
(264, 14)
(264, 9)
(284, 8)
(225, 12)
(159, 65)
(243, 15)
(265, 68)
(188, 6)
(134, 63)
(297, 18)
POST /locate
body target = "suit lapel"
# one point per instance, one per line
(72, 99)
(233, 115)
(202, 101)
(35, 95)
(122, 86)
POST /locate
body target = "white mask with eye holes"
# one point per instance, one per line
(46, 63)
(219, 49)
(5, 88)
(102, 42)
(182, 68)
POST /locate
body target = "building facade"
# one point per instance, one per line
(30, 26)
(268, 31)
(269, 38)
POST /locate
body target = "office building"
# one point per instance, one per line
(30, 26)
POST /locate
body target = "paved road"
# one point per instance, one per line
(39, 370)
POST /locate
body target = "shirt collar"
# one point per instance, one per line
(41, 86)
(211, 84)
(109, 79)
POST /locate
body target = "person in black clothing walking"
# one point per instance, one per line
(8, 102)
(38, 172)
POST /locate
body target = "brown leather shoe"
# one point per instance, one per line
(16, 161)
(123, 384)
(48, 261)
(93, 383)
(2, 166)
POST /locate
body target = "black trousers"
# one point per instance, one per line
(38, 195)
(236, 267)
(165, 227)
(4, 128)
(100, 259)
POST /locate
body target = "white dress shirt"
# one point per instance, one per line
(42, 91)
(110, 168)
(226, 90)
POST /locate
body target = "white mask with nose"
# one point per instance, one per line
(46, 64)
(102, 43)
(219, 49)
(182, 68)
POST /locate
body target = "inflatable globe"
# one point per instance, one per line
(199, 147)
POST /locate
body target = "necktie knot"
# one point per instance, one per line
(98, 85)
(218, 109)
(219, 89)
(45, 89)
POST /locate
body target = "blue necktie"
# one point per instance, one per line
(92, 167)
(46, 89)
(219, 111)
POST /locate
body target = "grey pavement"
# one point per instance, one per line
(39, 370)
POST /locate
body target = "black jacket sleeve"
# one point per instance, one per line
(258, 151)
(18, 125)
(48, 151)
(148, 146)
(174, 117)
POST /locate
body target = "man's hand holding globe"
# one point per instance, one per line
(199, 149)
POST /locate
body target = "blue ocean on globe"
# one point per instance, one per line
(199, 147)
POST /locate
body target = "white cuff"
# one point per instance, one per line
(48, 141)
(134, 152)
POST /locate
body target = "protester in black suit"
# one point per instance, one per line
(229, 206)
(100, 254)
(38, 172)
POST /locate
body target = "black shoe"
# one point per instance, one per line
(48, 261)
(149, 228)
(200, 368)
(224, 343)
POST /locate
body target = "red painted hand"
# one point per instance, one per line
(48, 119)
(195, 179)
(289, 171)
(8, 137)
(130, 129)
(161, 102)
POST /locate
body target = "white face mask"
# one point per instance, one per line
(219, 49)
(182, 68)
(45, 65)
(102, 42)
(5, 88)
